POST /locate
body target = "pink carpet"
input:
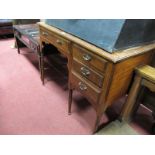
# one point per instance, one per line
(28, 107)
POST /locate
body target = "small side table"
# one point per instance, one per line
(29, 36)
(144, 78)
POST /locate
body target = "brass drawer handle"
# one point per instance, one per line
(82, 86)
(85, 71)
(45, 33)
(60, 42)
(87, 57)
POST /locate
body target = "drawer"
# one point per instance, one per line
(91, 60)
(88, 73)
(57, 41)
(86, 89)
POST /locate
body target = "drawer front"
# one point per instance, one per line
(89, 59)
(57, 41)
(88, 73)
(91, 93)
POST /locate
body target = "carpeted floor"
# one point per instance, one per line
(28, 107)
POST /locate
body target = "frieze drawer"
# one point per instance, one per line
(59, 42)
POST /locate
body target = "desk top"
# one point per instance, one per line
(109, 34)
(103, 33)
(30, 30)
(114, 57)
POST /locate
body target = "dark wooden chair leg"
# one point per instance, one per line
(70, 101)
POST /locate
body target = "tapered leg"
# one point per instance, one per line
(39, 59)
(70, 101)
(17, 44)
(98, 118)
(42, 67)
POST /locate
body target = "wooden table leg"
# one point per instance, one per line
(97, 122)
(128, 106)
(17, 44)
(70, 101)
(42, 67)
(39, 59)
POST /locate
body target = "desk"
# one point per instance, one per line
(101, 77)
(29, 36)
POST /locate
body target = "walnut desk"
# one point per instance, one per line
(101, 77)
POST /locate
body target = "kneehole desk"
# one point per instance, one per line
(99, 76)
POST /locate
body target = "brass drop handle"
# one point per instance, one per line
(82, 86)
(60, 42)
(87, 57)
(45, 33)
(85, 71)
